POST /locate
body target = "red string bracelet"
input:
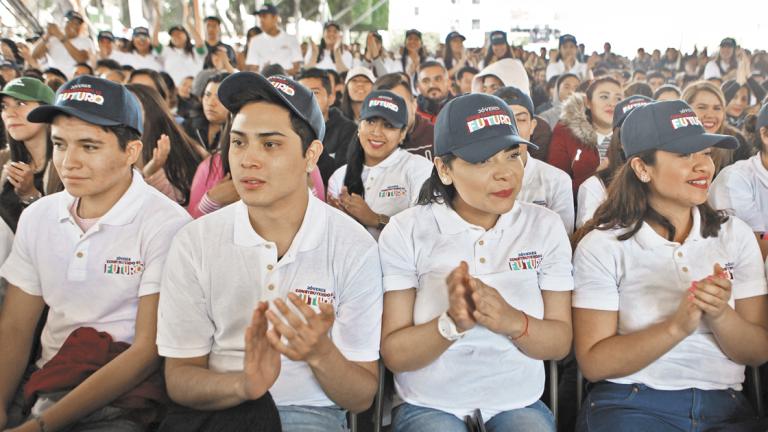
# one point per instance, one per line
(525, 329)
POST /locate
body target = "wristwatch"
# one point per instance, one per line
(383, 221)
(447, 328)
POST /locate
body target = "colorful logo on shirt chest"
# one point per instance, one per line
(394, 191)
(123, 266)
(525, 261)
(313, 296)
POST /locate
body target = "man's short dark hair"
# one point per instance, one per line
(85, 65)
(272, 70)
(124, 135)
(432, 63)
(392, 80)
(320, 74)
(108, 63)
(57, 72)
(466, 69)
(655, 74)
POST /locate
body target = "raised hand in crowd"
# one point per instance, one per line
(355, 206)
(159, 156)
(220, 60)
(21, 176)
(305, 331)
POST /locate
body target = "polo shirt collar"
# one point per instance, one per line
(307, 238)
(392, 159)
(449, 222)
(647, 238)
(125, 209)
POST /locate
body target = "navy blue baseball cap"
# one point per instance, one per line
(567, 38)
(387, 105)
(212, 18)
(413, 32)
(294, 96)
(453, 35)
(762, 117)
(267, 8)
(140, 31)
(475, 127)
(94, 100)
(729, 41)
(498, 37)
(626, 106)
(670, 126)
(105, 34)
(331, 24)
(72, 15)
(514, 96)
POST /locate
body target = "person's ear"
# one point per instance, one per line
(133, 151)
(640, 169)
(312, 155)
(443, 171)
(534, 123)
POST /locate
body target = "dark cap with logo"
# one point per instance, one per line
(498, 37)
(72, 15)
(567, 38)
(140, 31)
(454, 35)
(105, 34)
(670, 126)
(294, 96)
(94, 100)
(729, 41)
(176, 28)
(475, 127)
(626, 106)
(387, 105)
(267, 8)
(413, 32)
(331, 24)
(514, 96)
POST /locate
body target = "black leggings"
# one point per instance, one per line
(253, 416)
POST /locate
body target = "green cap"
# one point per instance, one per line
(29, 89)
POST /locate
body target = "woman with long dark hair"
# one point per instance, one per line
(477, 294)
(670, 295)
(413, 55)
(28, 171)
(380, 179)
(358, 84)
(180, 58)
(725, 64)
(141, 53)
(169, 156)
(498, 48)
(567, 60)
(331, 53)
(455, 55)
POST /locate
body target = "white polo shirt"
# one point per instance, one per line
(282, 49)
(579, 69)
(391, 186)
(219, 268)
(138, 61)
(422, 245)
(591, 194)
(327, 62)
(58, 57)
(742, 190)
(93, 279)
(179, 64)
(548, 186)
(645, 278)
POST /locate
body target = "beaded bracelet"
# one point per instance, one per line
(525, 329)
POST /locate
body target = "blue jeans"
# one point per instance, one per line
(637, 407)
(297, 418)
(533, 418)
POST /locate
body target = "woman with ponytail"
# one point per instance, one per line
(380, 178)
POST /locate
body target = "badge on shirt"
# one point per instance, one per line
(525, 261)
(313, 296)
(393, 191)
(123, 266)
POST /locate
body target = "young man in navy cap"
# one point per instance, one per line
(107, 49)
(67, 48)
(273, 46)
(93, 254)
(278, 255)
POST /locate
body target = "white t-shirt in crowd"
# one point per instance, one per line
(712, 71)
(179, 64)
(118, 56)
(422, 245)
(6, 241)
(550, 187)
(327, 62)
(138, 61)
(58, 57)
(644, 279)
(282, 49)
(391, 186)
(219, 268)
(579, 69)
(742, 190)
(93, 279)
(591, 194)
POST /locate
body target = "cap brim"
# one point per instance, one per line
(46, 114)
(481, 150)
(20, 96)
(693, 144)
(380, 114)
